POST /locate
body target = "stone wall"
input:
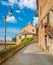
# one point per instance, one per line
(5, 54)
(7, 42)
(35, 38)
(51, 18)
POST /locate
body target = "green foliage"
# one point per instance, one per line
(14, 39)
(25, 40)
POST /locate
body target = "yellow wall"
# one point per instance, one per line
(29, 28)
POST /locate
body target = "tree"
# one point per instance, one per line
(14, 39)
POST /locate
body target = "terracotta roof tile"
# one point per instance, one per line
(26, 32)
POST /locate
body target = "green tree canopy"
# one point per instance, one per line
(14, 39)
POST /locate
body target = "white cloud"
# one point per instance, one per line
(20, 18)
(18, 11)
(10, 32)
(11, 19)
(8, 38)
(12, 2)
(4, 3)
(35, 21)
(31, 4)
(13, 30)
(28, 3)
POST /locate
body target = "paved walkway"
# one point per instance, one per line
(29, 55)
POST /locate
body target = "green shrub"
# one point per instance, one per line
(14, 39)
(25, 40)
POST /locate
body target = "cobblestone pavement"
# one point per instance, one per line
(29, 55)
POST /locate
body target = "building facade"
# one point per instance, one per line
(26, 32)
(45, 14)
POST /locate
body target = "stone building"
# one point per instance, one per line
(45, 14)
(26, 32)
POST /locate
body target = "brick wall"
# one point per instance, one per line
(44, 7)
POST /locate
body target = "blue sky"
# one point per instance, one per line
(23, 12)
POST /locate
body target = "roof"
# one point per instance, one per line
(27, 33)
(29, 24)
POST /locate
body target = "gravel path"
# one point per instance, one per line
(29, 55)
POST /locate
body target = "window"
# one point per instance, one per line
(19, 37)
(32, 30)
(24, 30)
(50, 37)
(48, 17)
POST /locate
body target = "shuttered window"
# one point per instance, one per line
(48, 17)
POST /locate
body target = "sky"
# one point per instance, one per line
(23, 12)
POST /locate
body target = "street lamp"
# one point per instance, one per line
(10, 12)
(5, 17)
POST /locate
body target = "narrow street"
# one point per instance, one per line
(29, 55)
